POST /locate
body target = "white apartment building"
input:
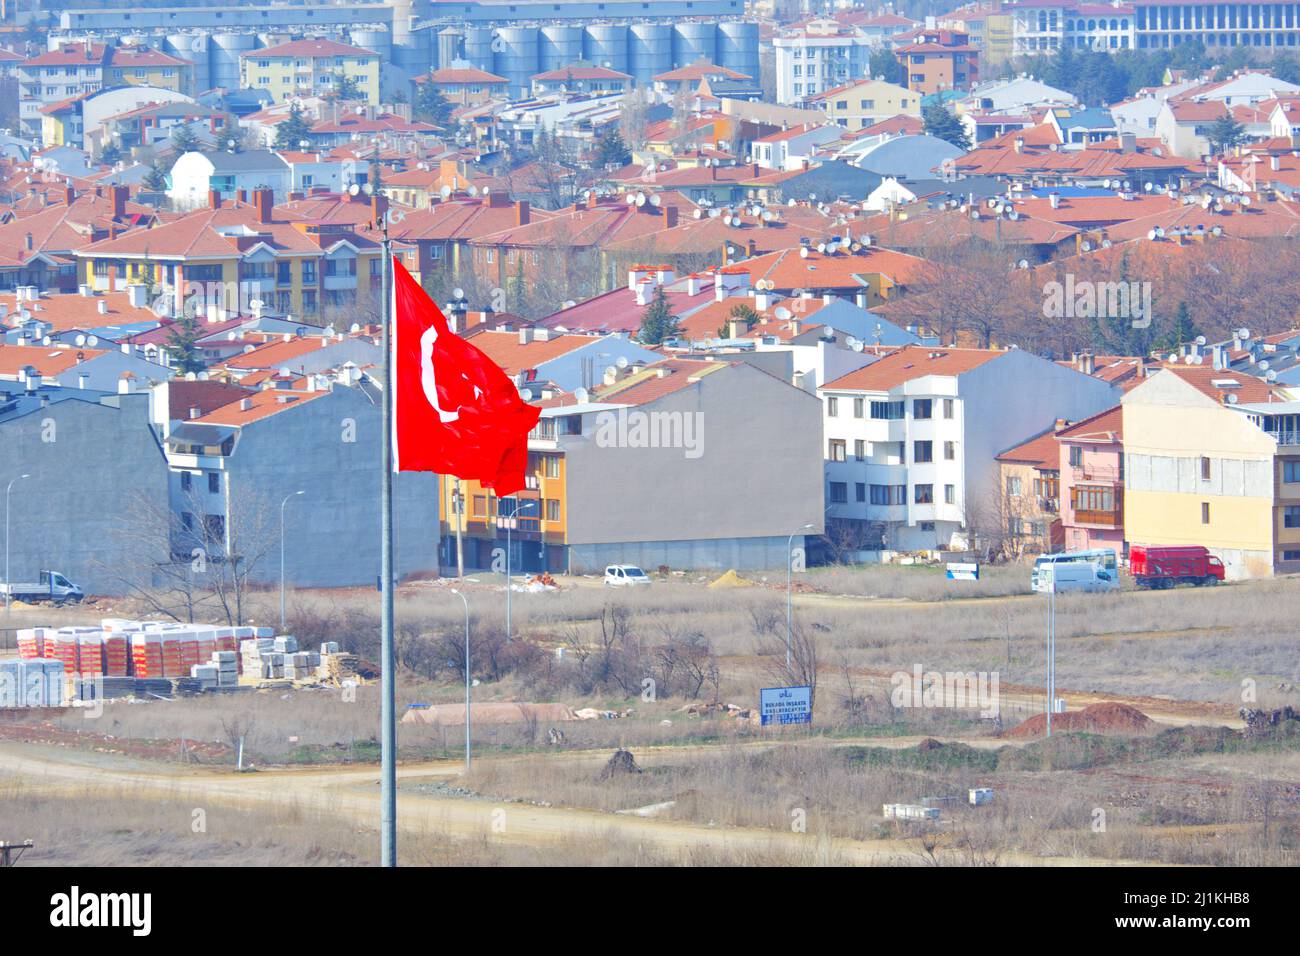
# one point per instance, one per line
(910, 439)
(820, 55)
(1041, 27)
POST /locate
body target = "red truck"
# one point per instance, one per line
(1164, 567)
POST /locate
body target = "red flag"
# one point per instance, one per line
(455, 412)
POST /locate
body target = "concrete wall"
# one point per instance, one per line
(332, 531)
(89, 465)
(742, 554)
(759, 473)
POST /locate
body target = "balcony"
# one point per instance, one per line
(335, 283)
(1103, 473)
(1098, 519)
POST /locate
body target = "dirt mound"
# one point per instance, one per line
(928, 744)
(1110, 717)
(731, 580)
(622, 762)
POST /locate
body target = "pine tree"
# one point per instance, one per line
(156, 179)
(1225, 133)
(658, 324)
(942, 124)
(290, 133)
(611, 150)
(182, 343)
(184, 140)
(430, 105)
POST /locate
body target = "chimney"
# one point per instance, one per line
(137, 293)
(1128, 142)
(241, 196)
(670, 216)
(27, 242)
(525, 335)
(1220, 358)
(1275, 163)
(378, 207)
(1087, 363)
(103, 306)
(761, 301)
(245, 404)
(195, 411)
(264, 201)
(214, 199)
(69, 194)
(1019, 144)
(523, 212)
(83, 380)
(692, 284)
(120, 194)
(1054, 200)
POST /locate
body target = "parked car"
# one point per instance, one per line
(1164, 567)
(53, 588)
(625, 575)
(1095, 570)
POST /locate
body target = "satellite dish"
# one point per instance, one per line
(1147, 187)
(851, 342)
(254, 303)
(1232, 399)
(1086, 246)
(631, 199)
(791, 202)
(472, 190)
(580, 395)
(1243, 334)
(92, 340)
(783, 313)
(622, 361)
(526, 394)
(1245, 200)
(767, 215)
(80, 340)
(458, 293)
(656, 200)
(354, 189)
(444, 192)
(485, 190)
(1023, 263)
(1271, 376)
(698, 213)
(803, 252)
(1200, 340)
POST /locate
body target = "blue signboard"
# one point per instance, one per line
(785, 705)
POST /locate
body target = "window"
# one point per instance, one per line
(947, 407)
(859, 409)
(1076, 456)
(1013, 485)
(927, 525)
(215, 526)
(1205, 512)
(1291, 516)
(552, 509)
(1205, 469)
(950, 494)
(839, 493)
(1291, 555)
(859, 449)
(860, 491)
(186, 481)
(950, 451)
(923, 494)
(551, 466)
(284, 273)
(888, 494)
(480, 506)
(922, 452)
(308, 271)
(1291, 470)
(835, 449)
(832, 407)
(214, 483)
(887, 410)
(921, 408)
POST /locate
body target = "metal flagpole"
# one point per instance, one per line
(388, 746)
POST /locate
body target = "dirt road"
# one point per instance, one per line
(353, 794)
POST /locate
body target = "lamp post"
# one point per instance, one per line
(9, 488)
(282, 504)
(514, 515)
(789, 586)
(467, 737)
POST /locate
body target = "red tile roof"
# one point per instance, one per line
(264, 404)
(911, 362)
(47, 360)
(1042, 451)
(1105, 427)
(309, 48)
(577, 72)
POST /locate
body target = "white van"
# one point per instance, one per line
(1096, 570)
(625, 575)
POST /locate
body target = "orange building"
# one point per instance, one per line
(939, 60)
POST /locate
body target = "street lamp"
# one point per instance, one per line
(467, 738)
(789, 585)
(9, 488)
(282, 504)
(513, 518)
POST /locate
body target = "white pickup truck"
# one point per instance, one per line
(53, 588)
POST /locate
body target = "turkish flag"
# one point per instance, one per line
(456, 412)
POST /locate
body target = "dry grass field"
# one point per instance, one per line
(1191, 791)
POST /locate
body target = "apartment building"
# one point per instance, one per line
(1091, 469)
(196, 175)
(465, 85)
(1212, 457)
(911, 440)
(1029, 479)
(233, 455)
(314, 67)
(938, 60)
(863, 103)
(222, 258)
(643, 471)
(819, 55)
(1160, 24)
(1040, 26)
